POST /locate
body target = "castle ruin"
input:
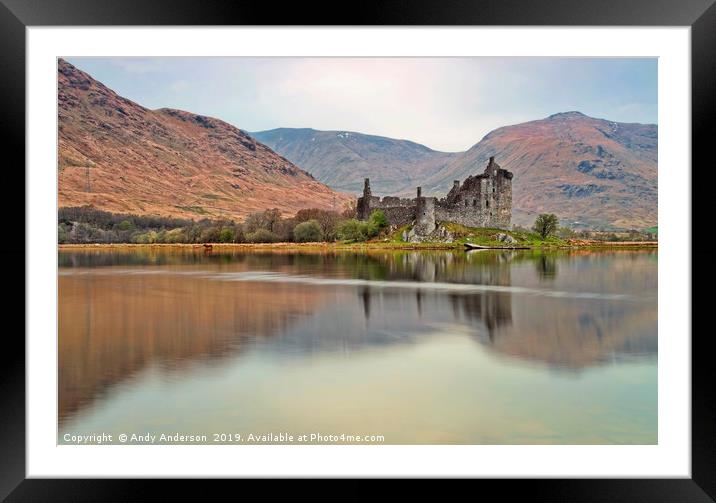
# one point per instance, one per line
(483, 200)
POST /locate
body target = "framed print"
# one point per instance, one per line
(430, 241)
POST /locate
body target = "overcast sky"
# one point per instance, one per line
(445, 103)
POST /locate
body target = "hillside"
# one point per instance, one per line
(592, 171)
(342, 159)
(168, 162)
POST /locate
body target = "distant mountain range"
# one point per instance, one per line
(119, 156)
(342, 159)
(590, 172)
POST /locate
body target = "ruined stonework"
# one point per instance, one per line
(483, 200)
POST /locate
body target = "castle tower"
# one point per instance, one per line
(498, 196)
(363, 205)
(492, 167)
(424, 214)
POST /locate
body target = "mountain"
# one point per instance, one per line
(591, 171)
(342, 159)
(122, 157)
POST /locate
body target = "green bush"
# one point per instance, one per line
(353, 230)
(125, 225)
(378, 220)
(145, 237)
(356, 230)
(262, 236)
(309, 231)
(227, 235)
(175, 236)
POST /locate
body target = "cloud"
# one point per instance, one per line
(444, 103)
(179, 86)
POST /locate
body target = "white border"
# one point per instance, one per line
(670, 458)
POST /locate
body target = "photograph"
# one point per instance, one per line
(309, 250)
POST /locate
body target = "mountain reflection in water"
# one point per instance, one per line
(122, 313)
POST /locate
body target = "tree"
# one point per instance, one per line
(262, 220)
(309, 231)
(209, 235)
(328, 220)
(125, 225)
(546, 224)
(566, 232)
(262, 236)
(378, 219)
(227, 235)
(352, 230)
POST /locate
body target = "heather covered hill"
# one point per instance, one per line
(342, 159)
(169, 162)
(592, 171)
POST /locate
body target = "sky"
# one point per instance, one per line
(446, 104)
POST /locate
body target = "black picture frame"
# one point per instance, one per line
(16, 15)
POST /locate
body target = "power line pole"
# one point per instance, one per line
(87, 171)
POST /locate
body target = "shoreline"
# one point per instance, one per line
(375, 245)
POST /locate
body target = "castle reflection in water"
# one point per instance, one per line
(122, 313)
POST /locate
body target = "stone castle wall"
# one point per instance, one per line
(483, 200)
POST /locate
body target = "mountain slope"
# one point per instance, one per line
(592, 171)
(342, 159)
(168, 162)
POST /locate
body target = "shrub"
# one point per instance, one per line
(356, 230)
(566, 232)
(378, 219)
(309, 231)
(227, 235)
(352, 229)
(125, 225)
(262, 236)
(175, 236)
(145, 237)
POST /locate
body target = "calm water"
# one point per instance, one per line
(482, 347)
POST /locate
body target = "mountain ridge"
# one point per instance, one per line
(590, 172)
(120, 156)
(342, 158)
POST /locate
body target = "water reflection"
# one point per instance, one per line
(123, 313)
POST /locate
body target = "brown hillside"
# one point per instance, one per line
(169, 162)
(592, 171)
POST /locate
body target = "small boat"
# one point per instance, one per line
(471, 246)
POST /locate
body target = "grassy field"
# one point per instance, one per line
(487, 237)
